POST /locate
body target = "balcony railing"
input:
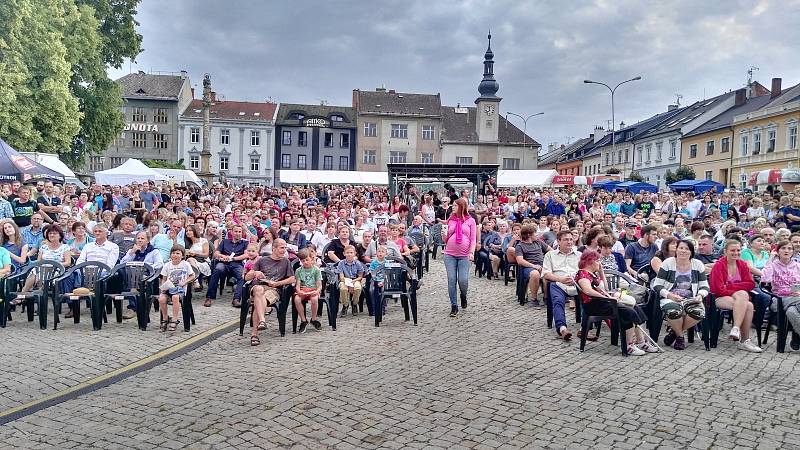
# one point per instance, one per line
(765, 157)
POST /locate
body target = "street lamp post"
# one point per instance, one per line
(613, 123)
(524, 129)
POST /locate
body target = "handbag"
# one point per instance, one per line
(638, 292)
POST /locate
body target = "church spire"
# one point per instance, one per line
(489, 86)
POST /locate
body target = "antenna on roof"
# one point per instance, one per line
(678, 98)
(323, 102)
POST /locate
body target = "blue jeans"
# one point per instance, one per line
(457, 272)
(232, 271)
(557, 298)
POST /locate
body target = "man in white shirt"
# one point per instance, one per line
(693, 205)
(559, 268)
(101, 250)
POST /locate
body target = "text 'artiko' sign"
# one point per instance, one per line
(149, 127)
(315, 122)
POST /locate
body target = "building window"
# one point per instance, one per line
(287, 138)
(626, 155)
(709, 148)
(792, 140)
(138, 114)
(96, 163)
(194, 135)
(344, 163)
(337, 118)
(160, 115)
(708, 175)
(194, 162)
(159, 140)
(488, 124)
(399, 131)
(428, 132)
(327, 163)
(756, 142)
(510, 163)
(693, 151)
(116, 162)
(370, 129)
(139, 140)
(619, 156)
(771, 134)
(397, 157)
(297, 116)
(745, 145)
(427, 158)
(640, 151)
(659, 146)
(302, 138)
(649, 149)
(225, 137)
(608, 159)
(725, 145)
(328, 139)
(286, 161)
(223, 163)
(301, 161)
(673, 149)
(254, 163)
(255, 138)
(369, 157)
(463, 159)
(344, 140)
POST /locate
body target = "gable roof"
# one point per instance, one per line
(687, 114)
(460, 127)
(557, 153)
(725, 119)
(286, 109)
(787, 95)
(398, 103)
(148, 86)
(232, 110)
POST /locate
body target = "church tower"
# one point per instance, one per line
(488, 104)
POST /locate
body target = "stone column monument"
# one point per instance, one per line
(205, 155)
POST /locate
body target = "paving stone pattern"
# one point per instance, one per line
(494, 377)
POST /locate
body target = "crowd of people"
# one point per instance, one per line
(562, 241)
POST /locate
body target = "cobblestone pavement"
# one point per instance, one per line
(494, 377)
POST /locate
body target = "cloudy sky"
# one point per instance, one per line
(310, 51)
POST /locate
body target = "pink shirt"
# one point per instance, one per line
(469, 238)
(782, 276)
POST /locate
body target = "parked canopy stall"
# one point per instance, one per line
(333, 177)
(509, 178)
(606, 185)
(571, 180)
(634, 187)
(52, 162)
(180, 176)
(697, 186)
(16, 167)
(787, 179)
(131, 171)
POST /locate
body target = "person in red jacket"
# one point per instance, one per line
(731, 283)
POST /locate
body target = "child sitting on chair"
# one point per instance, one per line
(351, 273)
(308, 288)
(176, 274)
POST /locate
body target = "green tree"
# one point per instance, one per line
(155, 164)
(635, 176)
(612, 171)
(682, 173)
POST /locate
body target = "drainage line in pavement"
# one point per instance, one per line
(119, 374)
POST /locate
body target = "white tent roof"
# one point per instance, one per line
(180, 175)
(333, 177)
(131, 171)
(51, 161)
(508, 178)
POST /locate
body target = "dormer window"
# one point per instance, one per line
(297, 116)
(337, 118)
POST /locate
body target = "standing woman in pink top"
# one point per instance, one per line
(459, 250)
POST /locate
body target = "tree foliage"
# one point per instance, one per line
(682, 173)
(156, 164)
(635, 176)
(612, 171)
(55, 95)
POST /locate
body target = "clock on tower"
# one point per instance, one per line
(489, 109)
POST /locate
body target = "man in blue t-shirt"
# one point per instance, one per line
(791, 214)
(150, 199)
(639, 254)
(628, 207)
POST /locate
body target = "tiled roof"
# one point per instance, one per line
(231, 110)
(687, 115)
(326, 111)
(460, 127)
(558, 153)
(726, 118)
(148, 86)
(398, 103)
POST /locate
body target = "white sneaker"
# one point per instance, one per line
(633, 350)
(750, 346)
(648, 348)
(734, 336)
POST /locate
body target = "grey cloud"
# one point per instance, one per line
(307, 51)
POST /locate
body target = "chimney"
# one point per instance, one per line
(391, 91)
(621, 125)
(355, 98)
(672, 107)
(598, 134)
(740, 97)
(776, 87)
(184, 74)
(213, 96)
(550, 147)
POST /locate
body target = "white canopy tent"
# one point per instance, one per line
(333, 177)
(52, 162)
(509, 178)
(180, 176)
(131, 171)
